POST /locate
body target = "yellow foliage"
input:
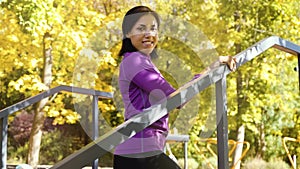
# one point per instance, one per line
(61, 115)
(28, 83)
(104, 107)
(13, 38)
(65, 116)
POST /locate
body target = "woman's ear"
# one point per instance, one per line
(128, 35)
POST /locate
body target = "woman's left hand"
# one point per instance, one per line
(229, 60)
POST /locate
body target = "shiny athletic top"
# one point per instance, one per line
(141, 86)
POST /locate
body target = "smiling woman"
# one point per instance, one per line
(142, 85)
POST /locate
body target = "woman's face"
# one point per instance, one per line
(144, 34)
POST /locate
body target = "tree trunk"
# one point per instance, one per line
(240, 128)
(262, 146)
(239, 148)
(240, 99)
(39, 117)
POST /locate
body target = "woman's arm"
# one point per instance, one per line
(153, 83)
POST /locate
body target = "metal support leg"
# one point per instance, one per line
(298, 69)
(95, 125)
(222, 124)
(180, 138)
(185, 155)
(3, 146)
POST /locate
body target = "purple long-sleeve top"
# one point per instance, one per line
(142, 85)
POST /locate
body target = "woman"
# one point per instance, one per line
(142, 85)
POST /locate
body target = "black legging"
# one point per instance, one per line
(160, 161)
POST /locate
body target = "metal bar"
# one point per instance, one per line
(181, 138)
(295, 160)
(222, 124)
(3, 146)
(185, 155)
(84, 91)
(30, 101)
(263, 45)
(178, 138)
(4, 113)
(298, 69)
(95, 125)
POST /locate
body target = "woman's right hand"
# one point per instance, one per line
(229, 60)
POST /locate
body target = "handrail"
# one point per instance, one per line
(4, 113)
(126, 130)
(34, 99)
(171, 138)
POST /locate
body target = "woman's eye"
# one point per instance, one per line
(141, 28)
(154, 29)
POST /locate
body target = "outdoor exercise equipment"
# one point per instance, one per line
(210, 149)
(292, 159)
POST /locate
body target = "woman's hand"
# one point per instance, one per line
(229, 61)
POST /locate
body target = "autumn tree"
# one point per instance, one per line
(257, 86)
(49, 36)
(232, 26)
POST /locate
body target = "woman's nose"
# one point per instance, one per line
(150, 33)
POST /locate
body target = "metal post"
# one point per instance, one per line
(295, 161)
(298, 69)
(185, 155)
(222, 124)
(3, 146)
(95, 133)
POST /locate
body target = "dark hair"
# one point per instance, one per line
(130, 18)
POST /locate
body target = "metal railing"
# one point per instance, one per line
(4, 113)
(292, 159)
(171, 138)
(217, 76)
